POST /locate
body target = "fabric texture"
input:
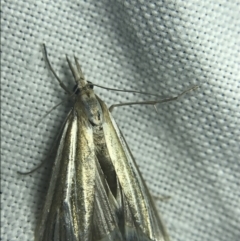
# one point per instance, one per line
(188, 149)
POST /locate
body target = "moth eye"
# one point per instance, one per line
(76, 90)
(98, 115)
(90, 85)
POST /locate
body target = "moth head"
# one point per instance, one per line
(77, 90)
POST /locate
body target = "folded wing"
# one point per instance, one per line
(140, 218)
(68, 210)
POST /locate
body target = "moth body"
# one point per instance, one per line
(96, 191)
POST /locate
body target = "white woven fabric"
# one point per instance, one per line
(189, 149)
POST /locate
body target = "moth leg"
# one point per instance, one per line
(52, 150)
(53, 108)
(40, 165)
(154, 102)
(34, 169)
(53, 71)
(161, 198)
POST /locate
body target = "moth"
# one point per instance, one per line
(96, 192)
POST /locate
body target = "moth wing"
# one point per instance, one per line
(68, 210)
(105, 217)
(141, 222)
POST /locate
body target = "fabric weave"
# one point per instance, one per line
(188, 149)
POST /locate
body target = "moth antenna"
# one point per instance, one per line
(53, 71)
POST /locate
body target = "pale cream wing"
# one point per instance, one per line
(68, 210)
(105, 216)
(142, 214)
